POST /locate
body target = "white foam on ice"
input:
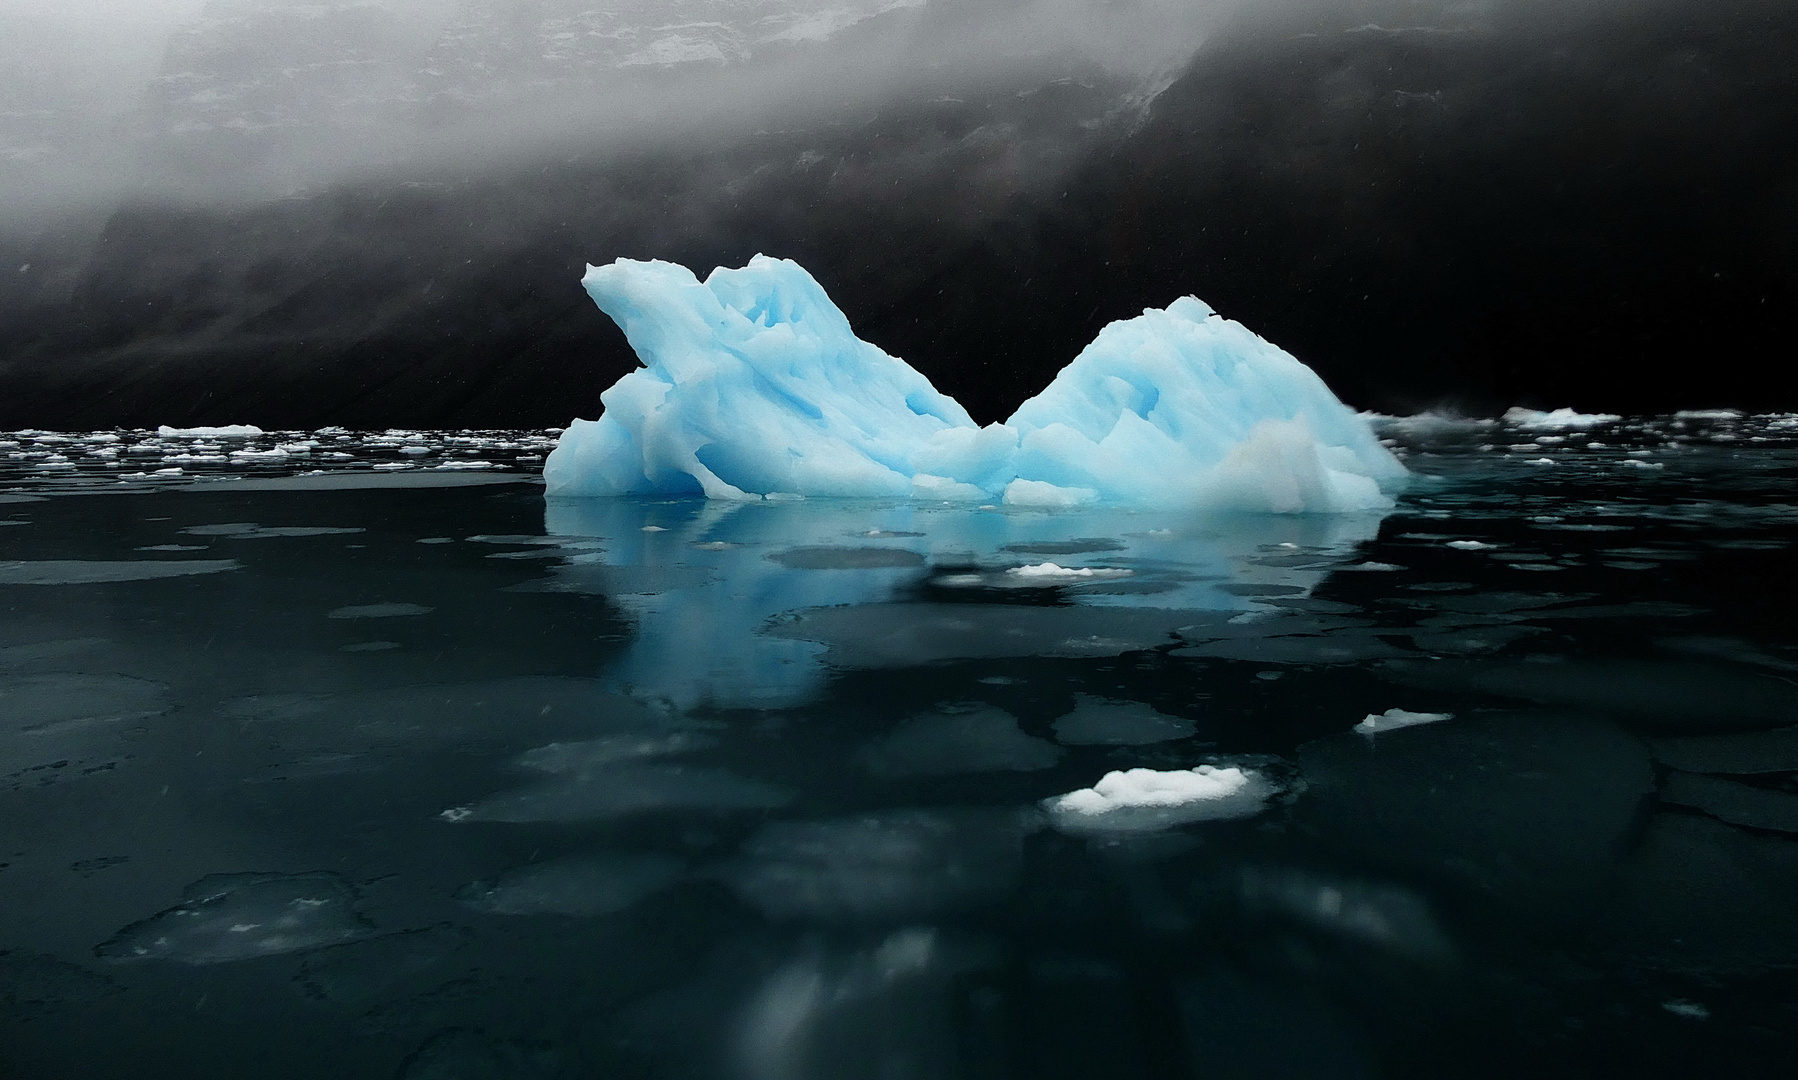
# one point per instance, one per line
(1556, 420)
(754, 386)
(1394, 719)
(1133, 800)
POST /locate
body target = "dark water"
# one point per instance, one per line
(401, 773)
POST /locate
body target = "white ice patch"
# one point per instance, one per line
(1136, 800)
(1556, 420)
(1049, 572)
(754, 386)
(227, 431)
(1394, 719)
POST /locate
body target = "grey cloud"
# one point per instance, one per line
(232, 99)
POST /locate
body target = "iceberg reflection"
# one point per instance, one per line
(743, 604)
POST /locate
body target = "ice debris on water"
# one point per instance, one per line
(1556, 420)
(754, 386)
(229, 917)
(228, 431)
(1134, 800)
(1050, 572)
(1394, 719)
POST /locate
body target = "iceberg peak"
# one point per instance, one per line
(754, 384)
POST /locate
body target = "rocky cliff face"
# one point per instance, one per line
(1483, 213)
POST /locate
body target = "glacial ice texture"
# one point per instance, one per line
(754, 386)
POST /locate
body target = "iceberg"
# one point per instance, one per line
(1138, 800)
(755, 387)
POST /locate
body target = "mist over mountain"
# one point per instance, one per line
(378, 213)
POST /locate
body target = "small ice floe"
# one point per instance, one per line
(230, 917)
(1638, 463)
(1558, 419)
(1139, 800)
(1393, 719)
(1691, 1010)
(1471, 545)
(227, 431)
(463, 466)
(1542, 461)
(1049, 573)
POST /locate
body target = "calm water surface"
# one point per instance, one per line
(344, 754)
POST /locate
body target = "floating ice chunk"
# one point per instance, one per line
(228, 431)
(1471, 545)
(1558, 419)
(1393, 719)
(1135, 800)
(1708, 414)
(241, 916)
(1050, 573)
(1691, 1010)
(754, 387)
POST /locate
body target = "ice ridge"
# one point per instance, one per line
(754, 386)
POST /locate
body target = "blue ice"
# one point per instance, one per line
(755, 387)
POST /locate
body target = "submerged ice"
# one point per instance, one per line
(754, 386)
